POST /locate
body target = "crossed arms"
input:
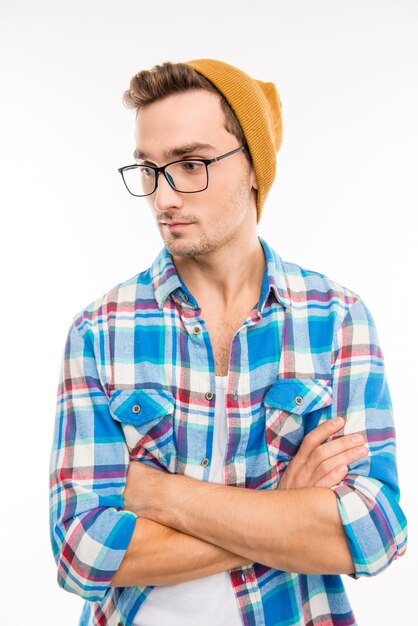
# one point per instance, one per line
(107, 529)
(188, 529)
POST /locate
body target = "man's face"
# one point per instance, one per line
(227, 208)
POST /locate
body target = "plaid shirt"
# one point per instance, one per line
(144, 344)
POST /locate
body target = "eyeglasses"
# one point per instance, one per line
(185, 176)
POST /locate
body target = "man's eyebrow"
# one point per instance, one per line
(178, 151)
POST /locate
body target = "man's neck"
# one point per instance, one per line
(226, 275)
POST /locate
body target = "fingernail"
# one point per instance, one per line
(342, 469)
(357, 438)
(360, 450)
(338, 420)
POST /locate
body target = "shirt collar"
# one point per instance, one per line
(166, 280)
(274, 278)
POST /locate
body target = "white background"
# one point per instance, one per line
(344, 203)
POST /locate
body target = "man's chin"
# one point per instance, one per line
(177, 247)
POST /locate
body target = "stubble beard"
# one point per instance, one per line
(177, 243)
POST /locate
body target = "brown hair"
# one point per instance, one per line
(148, 86)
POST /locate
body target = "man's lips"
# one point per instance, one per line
(172, 225)
(168, 223)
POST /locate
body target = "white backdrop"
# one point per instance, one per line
(344, 203)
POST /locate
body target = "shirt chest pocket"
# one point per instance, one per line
(293, 407)
(146, 417)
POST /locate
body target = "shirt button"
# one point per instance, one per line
(204, 462)
(242, 577)
(185, 297)
(208, 395)
(196, 330)
(136, 408)
(299, 400)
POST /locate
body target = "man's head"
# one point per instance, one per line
(176, 106)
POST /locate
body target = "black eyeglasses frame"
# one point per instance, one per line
(162, 169)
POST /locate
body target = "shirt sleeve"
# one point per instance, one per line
(90, 531)
(368, 497)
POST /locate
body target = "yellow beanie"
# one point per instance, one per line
(258, 109)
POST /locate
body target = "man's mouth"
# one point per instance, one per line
(176, 225)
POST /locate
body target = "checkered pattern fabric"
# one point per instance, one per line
(136, 371)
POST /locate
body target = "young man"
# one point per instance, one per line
(224, 444)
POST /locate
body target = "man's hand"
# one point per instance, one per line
(318, 464)
(144, 485)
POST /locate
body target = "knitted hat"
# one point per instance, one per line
(257, 107)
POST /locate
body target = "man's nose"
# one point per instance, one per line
(165, 196)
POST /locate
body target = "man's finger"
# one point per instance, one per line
(345, 458)
(318, 435)
(334, 447)
(333, 470)
(333, 478)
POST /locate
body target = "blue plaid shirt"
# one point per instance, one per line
(145, 343)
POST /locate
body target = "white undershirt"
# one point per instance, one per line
(204, 601)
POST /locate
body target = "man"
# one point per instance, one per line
(224, 444)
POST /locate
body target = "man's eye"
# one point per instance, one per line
(192, 166)
(147, 171)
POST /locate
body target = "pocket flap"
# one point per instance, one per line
(138, 406)
(299, 395)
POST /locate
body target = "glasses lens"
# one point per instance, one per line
(188, 176)
(140, 179)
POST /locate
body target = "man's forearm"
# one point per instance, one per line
(159, 555)
(296, 530)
